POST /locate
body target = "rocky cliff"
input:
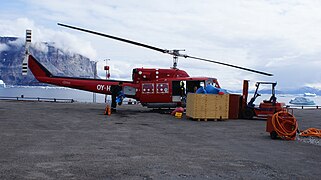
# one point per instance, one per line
(57, 61)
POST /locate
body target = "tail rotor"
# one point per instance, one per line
(25, 60)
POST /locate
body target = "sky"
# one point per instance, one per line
(281, 37)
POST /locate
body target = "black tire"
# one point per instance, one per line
(273, 135)
(248, 113)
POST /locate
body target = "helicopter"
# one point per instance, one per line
(152, 87)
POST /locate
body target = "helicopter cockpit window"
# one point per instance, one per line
(192, 86)
(148, 88)
(162, 88)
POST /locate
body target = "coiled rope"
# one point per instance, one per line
(311, 132)
(285, 125)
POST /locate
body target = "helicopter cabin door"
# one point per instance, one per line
(178, 91)
(181, 88)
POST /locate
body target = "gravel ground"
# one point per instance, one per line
(41, 140)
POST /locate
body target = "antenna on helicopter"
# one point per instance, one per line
(175, 53)
(27, 46)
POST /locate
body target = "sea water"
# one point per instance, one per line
(52, 92)
(285, 98)
(85, 96)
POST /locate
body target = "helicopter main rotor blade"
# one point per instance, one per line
(230, 65)
(175, 53)
(115, 38)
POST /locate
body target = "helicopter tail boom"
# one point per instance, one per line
(93, 85)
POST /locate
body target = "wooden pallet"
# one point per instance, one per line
(206, 119)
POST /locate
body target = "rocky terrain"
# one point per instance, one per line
(56, 60)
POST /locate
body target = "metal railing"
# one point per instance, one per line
(303, 106)
(39, 99)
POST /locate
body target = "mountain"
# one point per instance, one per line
(57, 61)
(303, 90)
(300, 90)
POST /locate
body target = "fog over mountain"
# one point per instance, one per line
(57, 61)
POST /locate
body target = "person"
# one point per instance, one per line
(115, 91)
(182, 91)
(195, 89)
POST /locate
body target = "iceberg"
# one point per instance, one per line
(309, 94)
(2, 84)
(301, 101)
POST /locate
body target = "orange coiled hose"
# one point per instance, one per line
(285, 125)
(311, 132)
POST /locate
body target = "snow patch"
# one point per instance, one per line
(3, 47)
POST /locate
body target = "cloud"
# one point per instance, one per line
(279, 37)
(41, 47)
(314, 85)
(63, 40)
(17, 42)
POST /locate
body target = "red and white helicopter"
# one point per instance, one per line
(153, 88)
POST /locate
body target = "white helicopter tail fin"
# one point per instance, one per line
(25, 60)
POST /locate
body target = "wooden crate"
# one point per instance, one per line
(195, 106)
(234, 106)
(212, 106)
